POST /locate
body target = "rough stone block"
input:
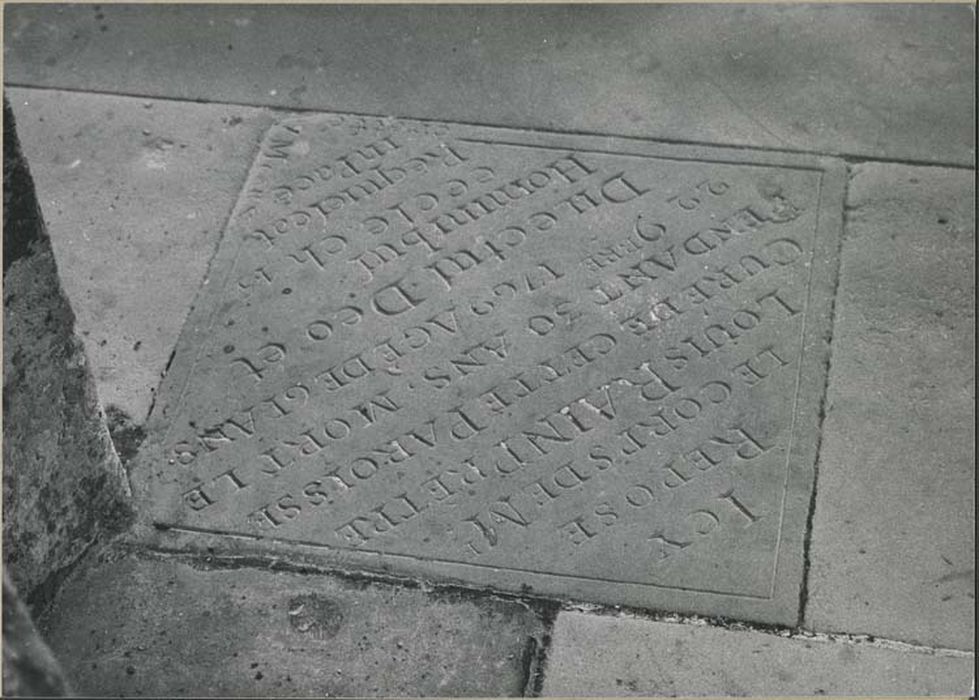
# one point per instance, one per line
(137, 625)
(63, 485)
(893, 543)
(590, 366)
(595, 655)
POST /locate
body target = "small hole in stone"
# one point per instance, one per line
(942, 220)
(229, 348)
(287, 290)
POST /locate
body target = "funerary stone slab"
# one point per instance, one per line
(586, 366)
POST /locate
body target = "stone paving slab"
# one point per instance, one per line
(135, 194)
(439, 306)
(883, 81)
(593, 655)
(144, 625)
(893, 541)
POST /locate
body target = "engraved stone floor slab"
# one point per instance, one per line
(591, 367)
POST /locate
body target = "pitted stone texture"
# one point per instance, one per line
(135, 194)
(133, 625)
(594, 655)
(894, 81)
(893, 543)
(588, 365)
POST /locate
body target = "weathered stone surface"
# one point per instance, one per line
(893, 544)
(892, 81)
(29, 668)
(136, 625)
(135, 196)
(613, 656)
(587, 365)
(63, 485)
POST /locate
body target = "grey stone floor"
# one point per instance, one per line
(140, 125)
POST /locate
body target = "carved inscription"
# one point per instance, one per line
(550, 356)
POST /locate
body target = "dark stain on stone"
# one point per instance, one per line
(287, 61)
(315, 615)
(649, 65)
(769, 188)
(126, 435)
(963, 574)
